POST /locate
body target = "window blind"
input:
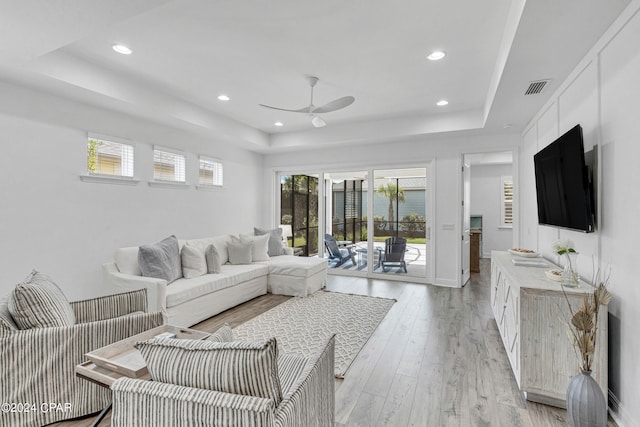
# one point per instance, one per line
(507, 201)
(211, 172)
(109, 158)
(168, 166)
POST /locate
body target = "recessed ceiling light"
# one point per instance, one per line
(507, 125)
(120, 48)
(279, 124)
(223, 97)
(436, 55)
(442, 103)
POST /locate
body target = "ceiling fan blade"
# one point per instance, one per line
(301, 110)
(337, 104)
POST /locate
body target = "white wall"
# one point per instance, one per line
(602, 94)
(444, 151)
(486, 200)
(52, 221)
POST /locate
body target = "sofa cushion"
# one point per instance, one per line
(220, 242)
(240, 252)
(275, 240)
(224, 334)
(297, 266)
(183, 290)
(260, 248)
(161, 260)
(212, 256)
(194, 263)
(126, 260)
(39, 303)
(238, 367)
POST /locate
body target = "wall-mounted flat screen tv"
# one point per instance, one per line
(563, 187)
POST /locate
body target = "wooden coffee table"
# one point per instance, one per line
(121, 359)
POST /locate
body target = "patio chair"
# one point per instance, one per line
(339, 255)
(393, 256)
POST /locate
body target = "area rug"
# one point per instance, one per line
(301, 325)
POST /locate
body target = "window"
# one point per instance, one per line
(210, 172)
(168, 165)
(106, 157)
(507, 201)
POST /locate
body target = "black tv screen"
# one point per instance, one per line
(563, 187)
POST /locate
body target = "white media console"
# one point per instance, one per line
(531, 313)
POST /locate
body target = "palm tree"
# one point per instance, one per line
(392, 192)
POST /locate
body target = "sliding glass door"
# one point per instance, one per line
(299, 212)
(375, 221)
(400, 221)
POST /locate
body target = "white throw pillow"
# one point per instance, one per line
(260, 251)
(126, 260)
(194, 263)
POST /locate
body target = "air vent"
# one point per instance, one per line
(536, 87)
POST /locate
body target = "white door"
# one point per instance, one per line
(466, 223)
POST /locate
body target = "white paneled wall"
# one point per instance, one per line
(602, 95)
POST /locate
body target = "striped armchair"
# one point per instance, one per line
(308, 399)
(38, 364)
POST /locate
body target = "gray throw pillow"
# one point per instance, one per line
(240, 253)
(214, 264)
(161, 260)
(275, 240)
(39, 303)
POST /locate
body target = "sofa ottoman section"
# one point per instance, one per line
(296, 276)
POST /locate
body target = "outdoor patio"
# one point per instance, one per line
(415, 258)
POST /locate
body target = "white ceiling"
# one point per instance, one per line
(187, 52)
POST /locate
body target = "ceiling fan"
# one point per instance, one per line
(313, 111)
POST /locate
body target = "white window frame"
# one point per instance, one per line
(505, 180)
(127, 162)
(180, 168)
(218, 181)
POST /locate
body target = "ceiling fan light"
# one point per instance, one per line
(436, 55)
(318, 122)
(120, 48)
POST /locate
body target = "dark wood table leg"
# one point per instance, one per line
(101, 416)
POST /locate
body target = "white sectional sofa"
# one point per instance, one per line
(186, 302)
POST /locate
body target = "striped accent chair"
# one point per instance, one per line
(38, 364)
(307, 396)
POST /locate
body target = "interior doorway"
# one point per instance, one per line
(489, 211)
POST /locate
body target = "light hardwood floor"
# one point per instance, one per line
(435, 360)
